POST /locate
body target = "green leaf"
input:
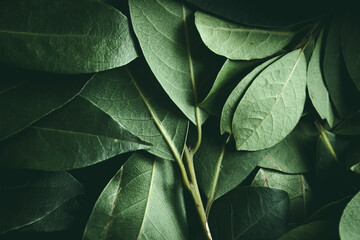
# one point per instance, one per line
(350, 37)
(74, 136)
(273, 104)
(342, 90)
(349, 126)
(295, 185)
(356, 168)
(28, 197)
(250, 213)
(144, 200)
(349, 226)
(236, 95)
(239, 42)
(27, 96)
(299, 146)
(133, 98)
(313, 231)
(64, 36)
(174, 52)
(315, 84)
(225, 81)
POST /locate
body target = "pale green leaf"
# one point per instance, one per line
(272, 105)
(240, 42)
(313, 231)
(295, 185)
(173, 50)
(132, 97)
(356, 168)
(349, 226)
(77, 135)
(144, 200)
(315, 84)
(64, 36)
(28, 197)
(236, 95)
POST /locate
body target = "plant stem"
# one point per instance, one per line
(326, 140)
(199, 130)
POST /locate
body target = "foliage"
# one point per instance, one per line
(174, 119)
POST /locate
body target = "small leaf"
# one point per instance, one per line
(350, 37)
(64, 36)
(27, 96)
(240, 42)
(350, 220)
(315, 84)
(144, 200)
(313, 231)
(250, 213)
(273, 104)
(28, 197)
(74, 136)
(295, 185)
(236, 95)
(356, 168)
(132, 97)
(225, 81)
(174, 52)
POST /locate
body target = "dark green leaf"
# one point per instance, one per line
(273, 104)
(295, 185)
(173, 50)
(350, 126)
(27, 96)
(132, 97)
(64, 36)
(315, 84)
(144, 200)
(350, 220)
(28, 197)
(350, 37)
(75, 136)
(239, 42)
(250, 213)
(236, 95)
(313, 231)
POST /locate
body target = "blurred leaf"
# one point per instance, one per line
(349, 227)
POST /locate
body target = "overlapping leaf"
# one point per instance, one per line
(144, 200)
(273, 104)
(133, 98)
(64, 36)
(350, 220)
(240, 42)
(77, 135)
(313, 231)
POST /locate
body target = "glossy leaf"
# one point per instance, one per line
(342, 90)
(250, 213)
(28, 197)
(350, 37)
(299, 146)
(144, 200)
(64, 36)
(315, 84)
(313, 231)
(132, 97)
(77, 135)
(349, 226)
(225, 81)
(273, 104)
(174, 52)
(27, 96)
(239, 42)
(236, 95)
(295, 185)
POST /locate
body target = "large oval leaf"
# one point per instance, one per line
(144, 200)
(273, 104)
(64, 36)
(77, 135)
(173, 50)
(132, 97)
(27, 96)
(350, 220)
(240, 42)
(313, 231)
(27, 197)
